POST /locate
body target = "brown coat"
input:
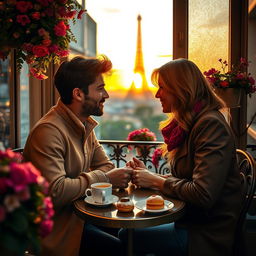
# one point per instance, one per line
(70, 158)
(206, 177)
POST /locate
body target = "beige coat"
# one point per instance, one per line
(206, 177)
(70, 158)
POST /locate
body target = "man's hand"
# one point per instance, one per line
(146, 179)
(134, 163)
(120, 177)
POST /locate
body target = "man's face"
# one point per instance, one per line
(93, 101)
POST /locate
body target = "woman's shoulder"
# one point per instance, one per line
(211, 116)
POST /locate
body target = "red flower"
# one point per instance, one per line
(46, 42)
(224, 84)
(36, 15)
(24, 6)
(34, 72)
(79, 16)
(60, 29)
(40, 50)
(23, 19)
(53, 48)
(157, 156)
(62, 53)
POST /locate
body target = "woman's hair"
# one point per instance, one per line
(183, 79)
(79, 72)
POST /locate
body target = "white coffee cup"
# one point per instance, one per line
(100, 192)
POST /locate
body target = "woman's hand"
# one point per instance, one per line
(135, 163)
(143, 178)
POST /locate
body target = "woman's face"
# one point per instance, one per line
(166, 98)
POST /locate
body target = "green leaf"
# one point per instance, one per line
(16, 244)
(18, 221)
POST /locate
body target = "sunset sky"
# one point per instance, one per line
(117, 32)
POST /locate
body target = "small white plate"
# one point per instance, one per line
(89, 200)
(168, 205)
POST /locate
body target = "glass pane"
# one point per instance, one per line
(208, 32)
(251, 109)
(4, 104)
(24, 104)
(132, 104)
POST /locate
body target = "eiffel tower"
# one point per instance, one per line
(144, 92)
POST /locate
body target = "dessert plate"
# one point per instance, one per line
(168, 205)
(112, 200)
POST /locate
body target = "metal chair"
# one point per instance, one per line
(247, 167)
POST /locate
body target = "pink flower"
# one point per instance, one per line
(24, 6)
(46, 227)
(143, 134)
(19, 176)
(33, 172)
(48, 206)
(60, 29)
(2, 213)
(23, 19)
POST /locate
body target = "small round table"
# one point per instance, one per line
(110, 217)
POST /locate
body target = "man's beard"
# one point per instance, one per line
(91, 107)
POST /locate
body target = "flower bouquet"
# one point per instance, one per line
(39, 30)
(25, 210)
(235, 78)
(143, 134)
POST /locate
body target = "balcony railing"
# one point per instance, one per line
(120, 152)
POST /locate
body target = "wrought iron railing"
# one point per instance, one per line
(120, 152)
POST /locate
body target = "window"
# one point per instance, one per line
(137, 37)
(4, 103)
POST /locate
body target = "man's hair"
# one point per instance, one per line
(79, 73)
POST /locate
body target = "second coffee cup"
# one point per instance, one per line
(100, 192)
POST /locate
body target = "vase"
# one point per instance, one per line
(231, 96)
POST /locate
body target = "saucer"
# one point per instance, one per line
(112, 200)
(168, 205)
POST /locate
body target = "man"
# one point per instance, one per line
(64, 147)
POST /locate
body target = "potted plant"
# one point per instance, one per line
(39, 31)
(143, 134)
(25, 209)
(229, 85)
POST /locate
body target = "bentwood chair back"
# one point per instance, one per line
(247, 168)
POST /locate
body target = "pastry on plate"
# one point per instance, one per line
(155, 202)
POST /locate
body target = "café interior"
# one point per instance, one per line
(25, 98)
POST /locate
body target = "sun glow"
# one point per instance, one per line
(117, 34)
(137, 80)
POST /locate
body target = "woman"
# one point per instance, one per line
(201, 150)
